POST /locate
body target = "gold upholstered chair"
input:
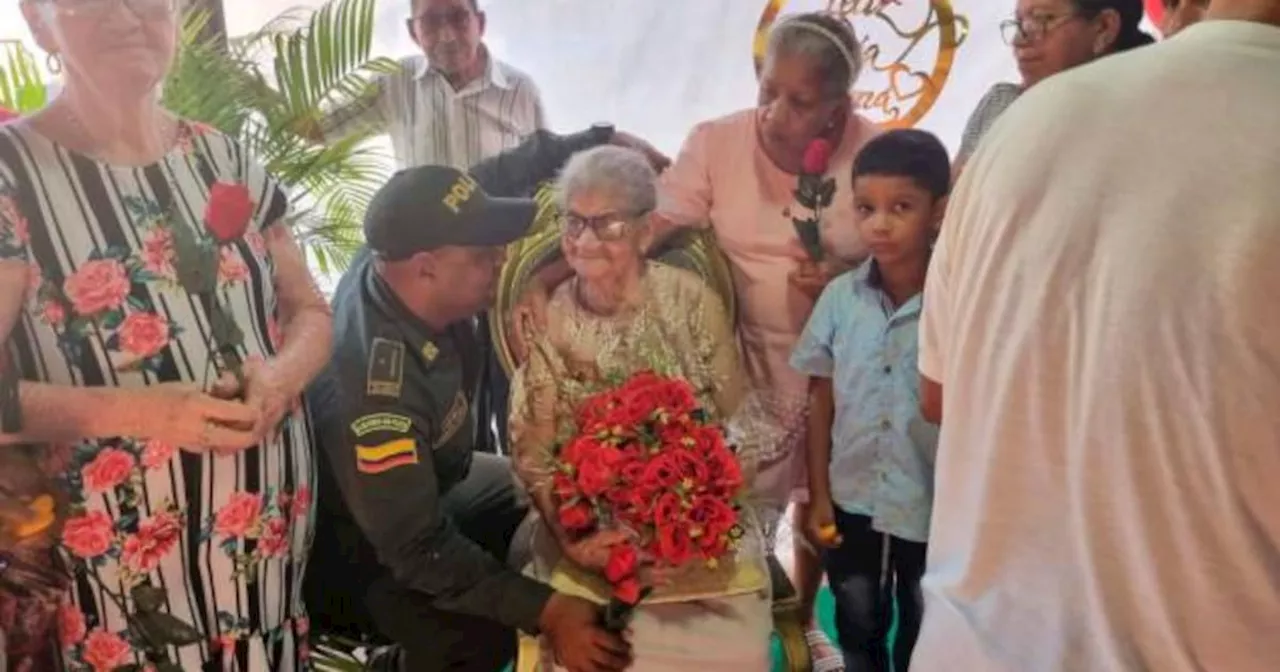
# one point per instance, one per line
(694, 251)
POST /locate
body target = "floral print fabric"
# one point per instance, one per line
(213, 544)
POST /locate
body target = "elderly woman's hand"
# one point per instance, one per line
(592, 552)
(657, 159)
(183, 415)
(267, 389)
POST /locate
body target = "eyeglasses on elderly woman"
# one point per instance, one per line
(103, 7)
(1033, 27)
(608, 227)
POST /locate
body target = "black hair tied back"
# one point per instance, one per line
(1131, 35)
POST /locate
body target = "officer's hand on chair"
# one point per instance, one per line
(657, 159)
(572, 626)
(528, 317)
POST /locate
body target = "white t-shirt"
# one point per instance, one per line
(1103, 312)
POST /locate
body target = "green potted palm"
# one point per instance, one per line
(259, 88)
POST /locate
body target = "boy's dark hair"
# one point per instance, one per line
(910, 153)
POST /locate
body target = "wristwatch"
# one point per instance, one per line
(602, 133)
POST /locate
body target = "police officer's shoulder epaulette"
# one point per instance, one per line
(385, 376)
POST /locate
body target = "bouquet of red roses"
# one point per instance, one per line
(647, 459)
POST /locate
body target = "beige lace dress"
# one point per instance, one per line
(707, 619)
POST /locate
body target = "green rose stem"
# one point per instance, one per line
(617, 614)
(227, 337)
(814, 193)
(197, 272)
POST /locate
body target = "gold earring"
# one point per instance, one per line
(54, 63)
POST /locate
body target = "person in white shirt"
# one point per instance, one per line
(454, 104)
(1101, 343)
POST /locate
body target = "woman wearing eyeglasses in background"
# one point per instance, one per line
(1048, 37)
(188, 494)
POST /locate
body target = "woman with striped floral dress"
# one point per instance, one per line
(165, 325)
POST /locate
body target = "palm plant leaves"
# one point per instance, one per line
(21, 87)
(322, 63)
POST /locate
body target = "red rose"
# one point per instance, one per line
(572, 452)
(576, 517)
(725, 470)
(817, 156)
(627, 591)
(228, 211)
(663, 471)
(621, 564)
(597, 470)
(674, 546)
(713, 515)
(563, 487)
(666, 510)
(690, 467)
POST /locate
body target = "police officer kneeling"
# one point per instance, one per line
(423, 521)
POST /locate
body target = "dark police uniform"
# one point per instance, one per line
(414, 525)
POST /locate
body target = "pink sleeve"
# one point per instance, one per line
(684, 197)
(935, 316)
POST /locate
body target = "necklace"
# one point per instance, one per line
(83, 141)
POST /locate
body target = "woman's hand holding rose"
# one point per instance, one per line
(528, 317)
(184, 415)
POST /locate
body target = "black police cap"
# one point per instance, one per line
(429, 207)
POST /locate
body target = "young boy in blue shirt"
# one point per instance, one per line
(871, 454)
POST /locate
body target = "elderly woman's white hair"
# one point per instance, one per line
(622, 175)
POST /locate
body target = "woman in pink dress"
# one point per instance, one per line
(736, 175)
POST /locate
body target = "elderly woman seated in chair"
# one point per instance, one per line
(619, 315)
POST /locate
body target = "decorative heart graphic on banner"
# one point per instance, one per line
(909, 50)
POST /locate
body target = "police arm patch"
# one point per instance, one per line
(383, 457)
(381, 422)
(386, 368)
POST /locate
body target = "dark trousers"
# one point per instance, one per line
(486, 508)
(867, 573)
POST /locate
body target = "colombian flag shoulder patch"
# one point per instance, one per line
(386, 456)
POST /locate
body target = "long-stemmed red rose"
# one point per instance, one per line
(227, 214)
(814, 191)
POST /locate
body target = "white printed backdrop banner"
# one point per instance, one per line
(656, 67)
